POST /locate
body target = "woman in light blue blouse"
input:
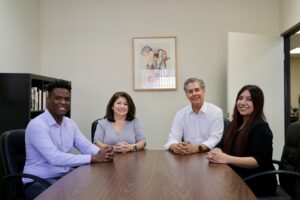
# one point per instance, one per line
(120, 128)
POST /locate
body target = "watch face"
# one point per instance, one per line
(134, 148)
(200, 148)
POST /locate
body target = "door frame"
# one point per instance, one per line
(287, 72)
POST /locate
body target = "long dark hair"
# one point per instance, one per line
(257, 97)
(131, 107)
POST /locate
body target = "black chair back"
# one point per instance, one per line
(226, 125)
(93, 129)
(290, 160)
(13, 160)
(13, 151)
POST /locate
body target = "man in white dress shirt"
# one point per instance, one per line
(197, 127)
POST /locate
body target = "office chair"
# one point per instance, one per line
(289, 166)
(13, 156)
(93, 129)
(226, 126)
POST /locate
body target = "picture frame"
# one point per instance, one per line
(154, 63)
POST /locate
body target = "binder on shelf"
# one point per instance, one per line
(35, 98)
(45, 93)
(32, 99)
(40, 99)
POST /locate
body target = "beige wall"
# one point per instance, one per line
(19, 36)
(295, 81)
(289, 14)
(89, 43)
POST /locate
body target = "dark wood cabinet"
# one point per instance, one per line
(17, 107)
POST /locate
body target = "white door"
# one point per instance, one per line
(258, 59)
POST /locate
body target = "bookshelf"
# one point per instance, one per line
(22, 98)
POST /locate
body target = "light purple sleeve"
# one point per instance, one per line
(83, 144)
(38, 136)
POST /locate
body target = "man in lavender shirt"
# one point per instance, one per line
(50, 138)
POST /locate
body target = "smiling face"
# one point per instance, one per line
(120, 107)
(58, 103)
(195, 94)
(244, 104)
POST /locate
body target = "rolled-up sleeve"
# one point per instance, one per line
(176, 133)
(216, 130)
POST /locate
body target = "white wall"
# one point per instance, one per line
(89, 43)
(289, 14)
(262, 54)
(19, 36)
(295, 81)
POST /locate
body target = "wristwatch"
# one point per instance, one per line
(200, 148)
(134, 148)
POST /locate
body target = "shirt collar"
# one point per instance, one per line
(51, 120)
(203, 108)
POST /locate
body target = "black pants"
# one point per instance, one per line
(32, 190)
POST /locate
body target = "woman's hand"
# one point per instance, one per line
(217, 156)
(102, 145)
(123, 147)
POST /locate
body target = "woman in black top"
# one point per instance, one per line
(247, 146)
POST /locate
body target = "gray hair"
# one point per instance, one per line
(192, 80)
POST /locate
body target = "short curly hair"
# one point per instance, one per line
(58, 84)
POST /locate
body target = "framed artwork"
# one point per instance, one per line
(154, 63)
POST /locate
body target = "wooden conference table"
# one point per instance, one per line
(150, 174)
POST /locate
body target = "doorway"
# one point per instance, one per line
(291, 69)
(295, 76)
